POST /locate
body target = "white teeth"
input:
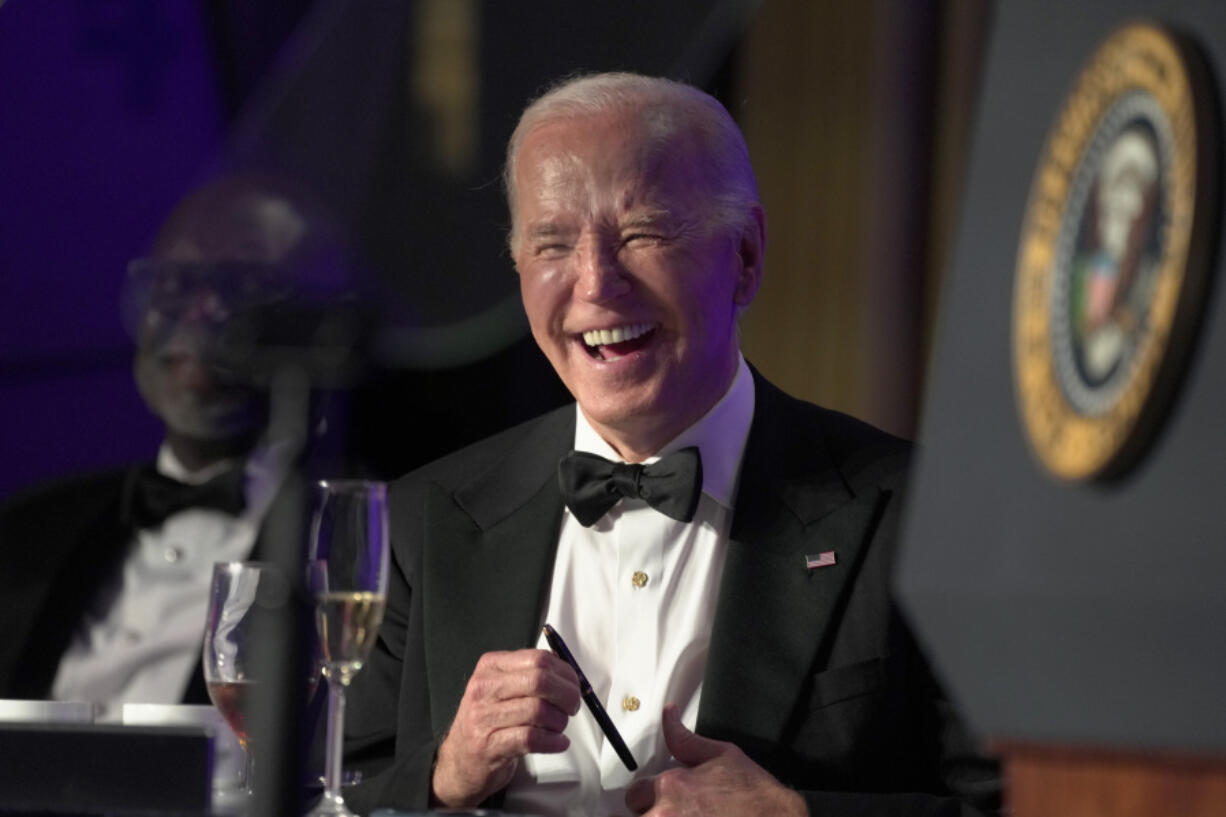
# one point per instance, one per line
(603, 337)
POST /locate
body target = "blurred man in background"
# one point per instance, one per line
(104, 578)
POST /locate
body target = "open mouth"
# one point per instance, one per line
(609, 344)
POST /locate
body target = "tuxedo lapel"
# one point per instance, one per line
(64, 558)
(775, 614)
(489, 559)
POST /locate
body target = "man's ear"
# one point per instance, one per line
(752, 252)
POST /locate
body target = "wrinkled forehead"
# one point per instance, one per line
(609, 161)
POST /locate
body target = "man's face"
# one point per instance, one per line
(185, 308)
(630, 291)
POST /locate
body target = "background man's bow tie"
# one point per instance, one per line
(591, 485)
(155, 496)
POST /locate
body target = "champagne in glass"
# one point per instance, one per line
(348, 577)
(229, 652)
(348, 623)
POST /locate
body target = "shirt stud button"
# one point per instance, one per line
(639, 578)
(173, 554)
(630, 703)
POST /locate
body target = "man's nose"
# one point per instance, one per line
(602, 277)
(195, 374)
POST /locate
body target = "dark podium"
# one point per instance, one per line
(1079, 618)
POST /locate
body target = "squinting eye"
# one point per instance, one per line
(640, 238)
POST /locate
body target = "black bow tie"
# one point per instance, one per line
(155, 496)
(591, 484)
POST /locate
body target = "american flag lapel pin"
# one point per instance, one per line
(824, 559)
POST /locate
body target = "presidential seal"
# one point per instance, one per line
(1113, 262)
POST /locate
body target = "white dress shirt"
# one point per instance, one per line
(140, 640)
(634, 597)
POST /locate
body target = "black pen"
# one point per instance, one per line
(589, 697)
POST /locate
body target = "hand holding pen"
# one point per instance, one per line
(515, 703)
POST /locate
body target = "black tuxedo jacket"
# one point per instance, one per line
(60, 545)
(811, 672)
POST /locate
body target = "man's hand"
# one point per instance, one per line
(717, 778)
(515, 703)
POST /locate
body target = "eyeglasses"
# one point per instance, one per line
(203, 291)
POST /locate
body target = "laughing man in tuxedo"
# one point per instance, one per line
(104, 578)
(739, 629)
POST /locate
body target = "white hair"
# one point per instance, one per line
(668, 110)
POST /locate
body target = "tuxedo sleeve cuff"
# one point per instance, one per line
(404, 785)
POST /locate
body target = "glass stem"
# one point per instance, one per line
(248, 769)
(336, 740)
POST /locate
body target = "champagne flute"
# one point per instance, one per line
(348, 577)
(229, 652)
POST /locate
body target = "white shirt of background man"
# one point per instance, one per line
(141, 638)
